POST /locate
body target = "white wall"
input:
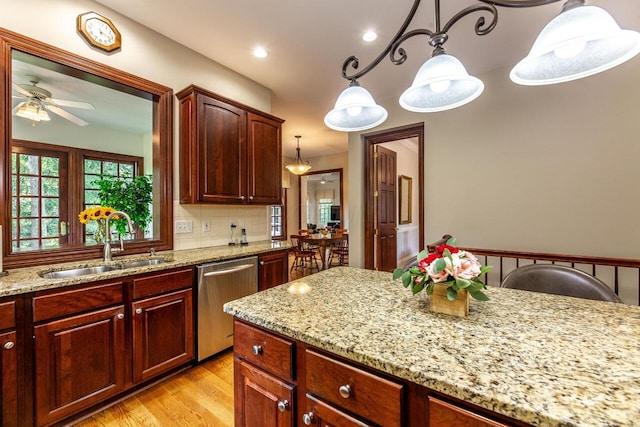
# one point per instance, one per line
(150, 55)
(550, 169)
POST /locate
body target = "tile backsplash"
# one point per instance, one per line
(255, 219)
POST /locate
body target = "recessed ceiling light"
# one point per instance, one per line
(260, 52)
(369, 36)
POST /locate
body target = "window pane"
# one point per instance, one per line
(14, 207)
(50, 186)
(29, 207)
(50, 227)
(110, 168)
(51, 243)
(50, 166)
(14, 159)
(92, 166)
(91, 197)
(50, 207)
(14, 185)
(89, 181)
(126, 169)
(29, 164)
(29, 186)
(29, 228)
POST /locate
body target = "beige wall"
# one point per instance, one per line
(150, 55)
(552, 168)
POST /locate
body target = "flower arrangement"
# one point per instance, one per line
(449, 266)
(98, 214)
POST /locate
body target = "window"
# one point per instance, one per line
(47, 195)
(278, 217)
(324, 210)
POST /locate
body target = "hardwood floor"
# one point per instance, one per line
(200, 396)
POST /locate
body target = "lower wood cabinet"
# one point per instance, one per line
(162, 333)
(443, 414)
(8, 379)
(273, 269)
(80, 361)
(262, 399)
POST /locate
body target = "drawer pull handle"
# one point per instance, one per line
(307, 418)
(138, 311)
(345, 391)
(8, 345)
(120, 316)
(283, 405)
(257, 350)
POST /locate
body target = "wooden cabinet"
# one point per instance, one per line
(264, 370)
(273, 269)
(8, 366)
(444, 414)
(229, 152)
(93, 342)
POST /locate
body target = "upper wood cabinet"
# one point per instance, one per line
(229, 153)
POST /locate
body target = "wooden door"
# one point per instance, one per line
(264, 160)
(261, 399)
(80, 361)
(221, 151)
(8, 380)
(386, 212)
(162, 333)
(273, 269)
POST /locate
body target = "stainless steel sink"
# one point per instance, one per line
(141, 263)
(74, 272)
(83, 271)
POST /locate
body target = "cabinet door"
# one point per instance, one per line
(261, 399)
(444, 414)
(162, 333)
(221, 151)
(264, 160)
(80, 361)
(8, 380)
(273, 270)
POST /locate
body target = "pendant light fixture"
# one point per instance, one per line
(298, 167)
(582, 41)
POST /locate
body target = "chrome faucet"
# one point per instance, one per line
(107, 239)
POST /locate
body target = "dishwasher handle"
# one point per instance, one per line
(228, 270)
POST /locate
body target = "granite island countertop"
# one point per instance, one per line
(543, 359)
(26, 280)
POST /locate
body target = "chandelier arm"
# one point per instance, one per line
(353, 61)
(520, 3)
(480, 27)
(397, 50)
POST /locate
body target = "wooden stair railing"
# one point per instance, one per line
(621, 274)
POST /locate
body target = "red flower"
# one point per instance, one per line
(432, 257)
(441, 249)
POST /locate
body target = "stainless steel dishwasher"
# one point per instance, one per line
(219, 283)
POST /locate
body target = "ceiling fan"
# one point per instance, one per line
(38, 101)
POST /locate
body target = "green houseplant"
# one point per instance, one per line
(132, 196)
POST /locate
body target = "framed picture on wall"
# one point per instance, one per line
(404, 200)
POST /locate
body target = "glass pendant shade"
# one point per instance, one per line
(32, 111)
(355, 110)
(579, 42)
(298, 167)
(442, 83)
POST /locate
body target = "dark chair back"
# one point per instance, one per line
(559, 280)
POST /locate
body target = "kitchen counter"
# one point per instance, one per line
(26, 280)
(543, 359)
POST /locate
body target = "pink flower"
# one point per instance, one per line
(468, 268)
(437, 277)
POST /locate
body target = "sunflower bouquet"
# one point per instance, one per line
(98, 214)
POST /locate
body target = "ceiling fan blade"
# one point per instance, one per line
(65, 114)
(21, 91)
(72, 104)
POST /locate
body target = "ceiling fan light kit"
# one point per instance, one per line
(581, 41)
(298, 167)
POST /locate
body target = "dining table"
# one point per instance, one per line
(323, 242)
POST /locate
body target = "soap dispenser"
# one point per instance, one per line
(243, 238)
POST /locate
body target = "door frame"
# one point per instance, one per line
(415, 130)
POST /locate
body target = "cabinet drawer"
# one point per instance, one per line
(63, 303)
(7, 315)
(444, 414)
(367, 395)
(265, 350)
(161, 283)
(328, 415)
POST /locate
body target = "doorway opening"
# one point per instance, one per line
(380, 247)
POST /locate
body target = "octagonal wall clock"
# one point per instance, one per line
(99, 31)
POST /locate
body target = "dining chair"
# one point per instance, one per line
(340, 251)
(303, 255)
(559, 280)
